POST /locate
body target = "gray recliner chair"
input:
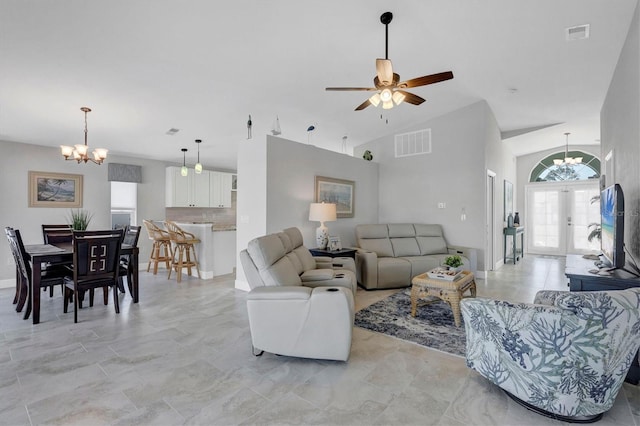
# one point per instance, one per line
(298, 305)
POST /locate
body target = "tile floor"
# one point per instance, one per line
(183, 356)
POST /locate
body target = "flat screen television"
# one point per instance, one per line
(612, 226)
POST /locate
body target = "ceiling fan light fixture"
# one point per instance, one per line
(557, 162)
(375, 99)
(387, 83)
(398, 97)
(386, 96)
(578, 160)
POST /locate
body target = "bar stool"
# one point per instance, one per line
(184, 247)
(161, 249)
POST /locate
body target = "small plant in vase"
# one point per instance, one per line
(453, 262)
(79, 219)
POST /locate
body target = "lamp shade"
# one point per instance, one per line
(322, 212)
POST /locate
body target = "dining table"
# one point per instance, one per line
(39, 254)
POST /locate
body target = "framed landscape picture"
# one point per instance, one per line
(48, 189)
(337, 191)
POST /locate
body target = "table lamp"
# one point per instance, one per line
(322, 212)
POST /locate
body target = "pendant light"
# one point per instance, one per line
(198, 166)
(80, 152)
(567, 160)
(184, 171)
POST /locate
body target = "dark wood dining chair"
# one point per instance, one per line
(96, 264)
(49, 277)
(131, 236)
(53, 234)
(56, 234)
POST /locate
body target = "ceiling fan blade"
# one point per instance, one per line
(363, 105)
(384, 69)
(348, 89)
(411, 98)
(427, 79)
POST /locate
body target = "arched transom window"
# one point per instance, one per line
(547, 171)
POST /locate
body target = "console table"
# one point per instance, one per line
(580, 279)
(514, 232)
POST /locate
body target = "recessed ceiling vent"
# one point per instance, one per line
(413, 143)
(579, 32)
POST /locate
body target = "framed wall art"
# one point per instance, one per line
(337, 191)
(47, 189)
(508, 199)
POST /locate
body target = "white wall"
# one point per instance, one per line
(251, 207)
(16, 161)
(620, 131)
(276, 184)
(499, 159)
(464, 143)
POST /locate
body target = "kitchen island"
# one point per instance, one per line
(217, 249)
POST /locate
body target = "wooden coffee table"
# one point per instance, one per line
(449, 291)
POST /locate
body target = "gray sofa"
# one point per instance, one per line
(299, 305)
(389, 255)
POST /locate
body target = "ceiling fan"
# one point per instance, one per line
(388, 87)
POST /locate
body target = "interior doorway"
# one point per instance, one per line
(558, 217)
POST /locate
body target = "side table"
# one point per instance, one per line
(514, 232)
(346, 252)
(450, 291)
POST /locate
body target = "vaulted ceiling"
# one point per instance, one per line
(145, 66)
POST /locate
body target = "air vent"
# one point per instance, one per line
(579, 32)
(413, 143)
(172, 131)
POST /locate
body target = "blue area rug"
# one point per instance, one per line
(432, 326)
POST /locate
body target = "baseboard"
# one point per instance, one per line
(481, 275)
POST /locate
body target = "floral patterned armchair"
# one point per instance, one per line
(564, 356)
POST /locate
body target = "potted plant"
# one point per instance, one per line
(453, 262)
(79, 219)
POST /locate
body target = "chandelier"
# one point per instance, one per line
(80, 152)
(567, 161)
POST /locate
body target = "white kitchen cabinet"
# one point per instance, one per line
(220, 189)
(187, 191)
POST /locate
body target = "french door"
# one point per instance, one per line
(558, 217)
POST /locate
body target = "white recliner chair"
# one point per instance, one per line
(298, 305)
